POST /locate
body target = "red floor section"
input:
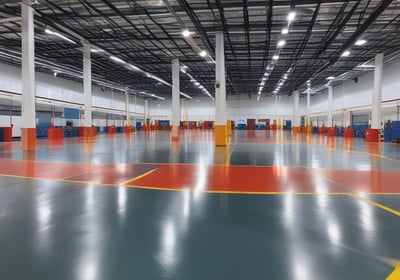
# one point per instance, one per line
(248, 179)
(236, 179)
(367, 181)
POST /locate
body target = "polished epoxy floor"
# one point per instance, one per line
(269, 206)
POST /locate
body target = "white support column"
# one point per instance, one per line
(28, 114)
(127, 110)
(87, 86)
(146, 110)
(330, 106)
(176, 110)
(377, 94)
(296, 111)
(308, 107)
(220, 91)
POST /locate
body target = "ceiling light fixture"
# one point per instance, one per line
(360, 42)
(275, 57)
(285, 31)
(346, 53)
(117, 59)
(291, 16)
(186, 33)
(330, 78)
(281, 43)
(203, 53)
(48, 31)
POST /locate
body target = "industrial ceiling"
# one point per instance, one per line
(272, 47)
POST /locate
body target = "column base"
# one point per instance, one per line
(28, 139)
(128, 129)
(175, 133)
(296, 129)
(229, 128)
(88, 131)
(55, 133)
(331, 132)
(348, 132)
(372, 135)
(220, 135)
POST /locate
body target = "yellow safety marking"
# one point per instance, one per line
(376, 204)
(139, 177)
(395, 275)
(352, 194)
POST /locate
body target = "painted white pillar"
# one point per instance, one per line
(176, 110)
(308, 107)
(28, 114)
(220, 91)
(330, 105)
(377, 94)
(296, 110)
(276, 106)
(127, 110)
(87, 85)
(146, 110)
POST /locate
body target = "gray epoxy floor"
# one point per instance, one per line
(54, 229)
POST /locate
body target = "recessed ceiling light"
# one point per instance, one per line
(291, 16)
(346, 53)
(196, 83)
(186, 33)
(275, 57)
(203, 53)
(330, 78)
(360, 42)
(266, 74)
(285, 31)
(281, 43)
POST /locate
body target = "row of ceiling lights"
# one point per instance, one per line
(281, 43)
(184, 70)
(346, 53)
(120, 61)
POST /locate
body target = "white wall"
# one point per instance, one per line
(356, 98)
(57, 88)
(239, 107)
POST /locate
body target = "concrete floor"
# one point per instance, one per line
(269, 206)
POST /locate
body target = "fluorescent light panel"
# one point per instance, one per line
(116, 59)
(360, 42)
(48, 31)
(281, 43)
(186, 33)
(345, 53)
(291, 16)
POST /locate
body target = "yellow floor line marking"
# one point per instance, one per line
(376, 204)
(395, 275)
(352, 194)
(139, 177)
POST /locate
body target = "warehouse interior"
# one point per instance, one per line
(199, 139)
